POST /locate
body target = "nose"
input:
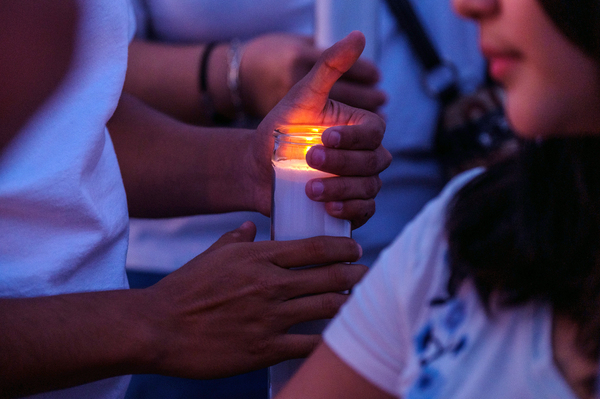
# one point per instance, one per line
(475, 9)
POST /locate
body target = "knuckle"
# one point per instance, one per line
(376, 133)
(364, 212)
(252, 253)
(376, 136)
(316, 248)
(261, 346)
(339, 277)
(379, 183)
(381, 130)
(373, 186)
(370, 208)
(331, 65)
(340, 160)
(344, 188)
(372, 164)
(266, 287)
(355, 141)
(331, 303)
(387, 158)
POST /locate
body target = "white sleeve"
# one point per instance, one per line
(373, 333)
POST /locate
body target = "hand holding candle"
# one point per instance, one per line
(351, 148)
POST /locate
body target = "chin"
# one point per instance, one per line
(530, 122)
(524, 126)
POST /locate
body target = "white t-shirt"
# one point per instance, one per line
(394, 333)
(63, 211)
(193, 20)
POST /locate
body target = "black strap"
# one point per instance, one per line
(423, 48)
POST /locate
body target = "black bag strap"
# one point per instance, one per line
(440, 79)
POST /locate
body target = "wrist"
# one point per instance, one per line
(207, 102)
(217, 92)
(223, 81)
(147, 337)
(258, 174)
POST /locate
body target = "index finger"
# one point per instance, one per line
(367, 135)
(313, 251)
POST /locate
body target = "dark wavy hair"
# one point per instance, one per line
(528, 228)
(579, 20)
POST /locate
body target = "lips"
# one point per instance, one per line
(501, 62)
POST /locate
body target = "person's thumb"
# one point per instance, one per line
(331, 65)
(245, 233)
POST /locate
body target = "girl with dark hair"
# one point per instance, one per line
(493, 291)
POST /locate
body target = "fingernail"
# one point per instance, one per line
(317, 188)
(337, 206)
(360, 251)
(333, 138)
(317, 157)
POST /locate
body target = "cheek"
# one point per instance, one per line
(541, 104)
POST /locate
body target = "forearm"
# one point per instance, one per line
(171, 169)
(166, 76)
(66, 340)
(325, 376)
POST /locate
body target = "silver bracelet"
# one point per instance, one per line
(234, 59)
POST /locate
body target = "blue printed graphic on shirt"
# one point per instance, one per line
(440, 339)
(428, 385)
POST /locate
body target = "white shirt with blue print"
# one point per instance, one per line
(401, 332)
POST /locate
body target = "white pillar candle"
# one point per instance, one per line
(334, 19)
(295, 216)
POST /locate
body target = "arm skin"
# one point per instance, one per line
(166, 77)
(171, 169)
(325, 376)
